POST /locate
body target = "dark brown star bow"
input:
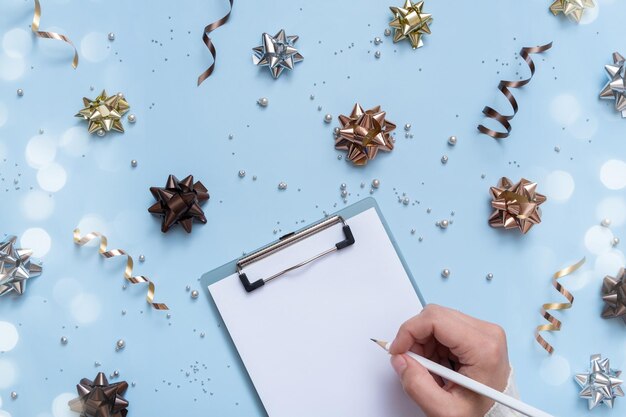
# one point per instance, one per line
(98, 398)
(364, 133)
(179, 202)
(515, 205)
(614, 295)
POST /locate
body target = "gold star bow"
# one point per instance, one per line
(104, 113)
(515, 205)
(573, 9)
(364, 133)
(410, 22)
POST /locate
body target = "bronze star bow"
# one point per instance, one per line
(573, 9)
(98, 398)
(614, 295)
(16, 267)
(364, 133)
(104, 113)
(410, 22)
(179, 202)
(515, 205)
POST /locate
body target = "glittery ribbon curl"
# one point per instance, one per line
(504, 86)
(51, 35)
(207, 41)
(128, 271)
(555, 324)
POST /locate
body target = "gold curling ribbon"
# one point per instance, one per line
(555, 324)
(128, 271)
(504, 86)
(209, 44)
(51, 35)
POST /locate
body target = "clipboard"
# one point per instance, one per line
(309, 395)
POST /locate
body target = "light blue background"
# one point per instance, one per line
(183, 129)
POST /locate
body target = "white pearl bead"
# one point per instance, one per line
(263, 102)
(377, 54)
(375, 183)
(452, 140)
(194, 294)
(328, 118)
(445, 273)
(20, 92)
(111, 36)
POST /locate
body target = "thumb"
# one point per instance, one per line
(420, 385)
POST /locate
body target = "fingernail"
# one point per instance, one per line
(399, 364)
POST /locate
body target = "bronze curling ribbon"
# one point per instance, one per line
(555, 324)
(504, 86)
(128, 271)
(207, 41)
(51, 35)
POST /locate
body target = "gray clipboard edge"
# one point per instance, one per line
(230, 268)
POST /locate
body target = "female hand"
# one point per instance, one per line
(472, 347)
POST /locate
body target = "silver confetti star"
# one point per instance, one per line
(277, 53)
(615, 88)
(16, 267)
(601, 384)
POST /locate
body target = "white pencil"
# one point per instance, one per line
(472, 385)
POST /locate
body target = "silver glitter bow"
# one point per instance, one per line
(615, 88)
(16, 267)
(277, 53)
(601, 384)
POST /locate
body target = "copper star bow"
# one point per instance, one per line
(601, 384)
(515, 205)
(16, 267)
(98, 398)
(573, 9)
(364, 133)
(104, 113)
(614, 295)
(179, 202)
(615, 88)
(410, 22)
(277, 53)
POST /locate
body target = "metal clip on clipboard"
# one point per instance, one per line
(288, 240)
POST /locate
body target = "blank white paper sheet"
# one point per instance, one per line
(304, 338)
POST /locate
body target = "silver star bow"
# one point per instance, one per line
(15, 267)
(615, 88)
(277, 53)
(601, 384)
